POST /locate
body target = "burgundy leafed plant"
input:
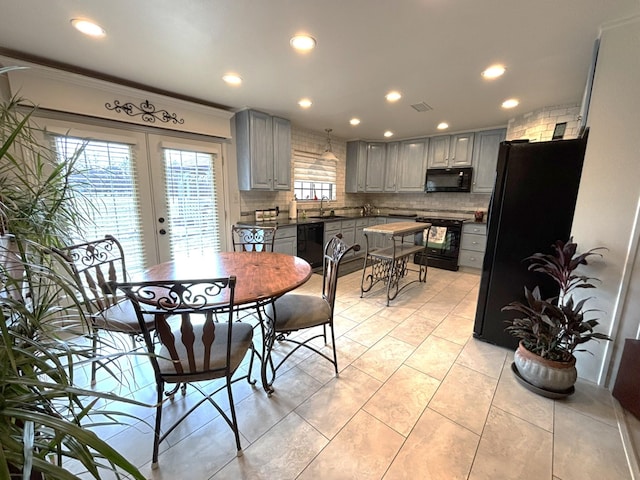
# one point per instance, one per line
(554, 327)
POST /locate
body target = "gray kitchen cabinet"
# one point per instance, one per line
(286, 240)
(376, 158)
(473, 244)
(391, 167)
(348, 230)
(361, 224)
(448, 151)
(281, 154)
(331, 228)
(485, 159)
(356, 168)
(263, 148)
(412, 163)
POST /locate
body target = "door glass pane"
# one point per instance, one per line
(109, 194)
(192, 205)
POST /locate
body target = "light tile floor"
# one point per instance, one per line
(417, 398)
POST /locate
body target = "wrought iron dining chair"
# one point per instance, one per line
(94, 263)
(253, 239)
(196, 344)
(295, 312)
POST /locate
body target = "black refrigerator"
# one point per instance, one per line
(531, 207)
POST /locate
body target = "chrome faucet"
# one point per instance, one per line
(322, 199)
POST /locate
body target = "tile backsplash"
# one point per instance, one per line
(538, 126)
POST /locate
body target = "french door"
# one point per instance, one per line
(163, 197)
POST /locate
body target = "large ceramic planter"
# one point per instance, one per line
(545, 374)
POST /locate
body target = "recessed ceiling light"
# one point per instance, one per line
(302, 42)
(88, 28)
(232, 79)
(443, 126)
(393, 96)
(494, 71)
(512, 102)
(305, 103)
(388, 133)
(354, 121)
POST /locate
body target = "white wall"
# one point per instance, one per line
(607, 208)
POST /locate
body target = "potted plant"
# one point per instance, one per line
(552, 329)
(43, 415)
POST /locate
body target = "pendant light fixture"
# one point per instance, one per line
(328, 154)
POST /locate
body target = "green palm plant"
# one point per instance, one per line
(44, 415)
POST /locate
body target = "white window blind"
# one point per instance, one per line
(108, 193)
(314, 177)
(192, 206)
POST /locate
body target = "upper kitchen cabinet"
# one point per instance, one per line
(448, 151)
(365, 167)
(485, 159)
(412, 164)
(263, 146)
(391, 167)
(356, 168)
(376, 153)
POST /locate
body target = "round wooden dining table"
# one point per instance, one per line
(261, 277)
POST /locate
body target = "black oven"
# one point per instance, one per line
(443, 247)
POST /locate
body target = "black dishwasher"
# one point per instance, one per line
(310, 240)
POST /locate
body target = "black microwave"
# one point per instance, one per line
(448, 180)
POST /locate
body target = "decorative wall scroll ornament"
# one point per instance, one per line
(146, 110)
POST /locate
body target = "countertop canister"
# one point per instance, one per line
(293, 209)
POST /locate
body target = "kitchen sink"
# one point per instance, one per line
(328, 217)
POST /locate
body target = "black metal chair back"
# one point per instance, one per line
(334, 252)
(95, 263)
(198, 339)
(253, 239)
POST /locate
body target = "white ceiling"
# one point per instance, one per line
(430, 50)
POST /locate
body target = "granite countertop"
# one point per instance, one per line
(284, 221)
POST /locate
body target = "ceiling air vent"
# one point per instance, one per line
(421, 107)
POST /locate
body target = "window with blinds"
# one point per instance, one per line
(192, 206)
(108, 193)
(314, 178)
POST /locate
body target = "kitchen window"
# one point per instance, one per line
(313, 177)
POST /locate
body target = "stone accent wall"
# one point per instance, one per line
(538, 126)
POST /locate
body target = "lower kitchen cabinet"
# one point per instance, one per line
(361, 224)
(331, 229)
(348, 229)
(286, 240)
(473, 245)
